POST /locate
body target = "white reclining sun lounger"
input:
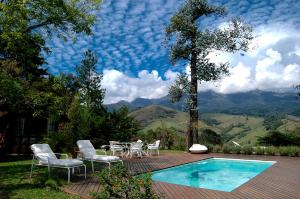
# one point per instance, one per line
(88, 152)
(44, 156)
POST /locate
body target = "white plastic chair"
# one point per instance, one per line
(88, 152)
(136, 148)
(115, 147)
(153, 147)
(44, 156)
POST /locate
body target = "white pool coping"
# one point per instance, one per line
(246, 160)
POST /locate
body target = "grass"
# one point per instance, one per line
(15, 181)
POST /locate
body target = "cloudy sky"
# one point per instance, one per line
(128, 39)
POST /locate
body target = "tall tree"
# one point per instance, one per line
(192, 43)
(91, 93)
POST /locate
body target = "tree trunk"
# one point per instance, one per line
(194, 100)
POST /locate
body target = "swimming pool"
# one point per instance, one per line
(215, 173)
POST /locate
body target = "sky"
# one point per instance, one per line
(128, 38)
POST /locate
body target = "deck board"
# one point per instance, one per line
(282, 180)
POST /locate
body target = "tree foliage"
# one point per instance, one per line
(24, 26)
(276, 138)
(192, 43)
(209, 136)
(91, 93)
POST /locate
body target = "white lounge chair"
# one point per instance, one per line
(115, 147)
(44, 156)
(236, 144)
(153, 147)
(136, 148)
(198, 148)
(88, 152)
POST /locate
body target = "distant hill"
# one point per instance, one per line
(241, 128)
(257, 103)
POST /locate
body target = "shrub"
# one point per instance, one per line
(217, 149)
(52, 184)
(170, 138)
(271, 150)
(293, 151)
(226, 149)
(236, 150)
(42, 181)
(259, 150)
(283, 151)
(118, 183)
(247, 150)
(208, 136)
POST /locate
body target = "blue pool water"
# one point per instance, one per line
(214, 173)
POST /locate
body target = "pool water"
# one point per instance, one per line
(214, 173)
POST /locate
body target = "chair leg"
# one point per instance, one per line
(68, 175)
(31, 170)
(158, 151)
(92, 166)
(84, 171)
(48, 169)
(73, 170)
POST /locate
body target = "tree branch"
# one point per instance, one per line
(30, 28)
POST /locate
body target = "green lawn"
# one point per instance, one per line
(15, 181)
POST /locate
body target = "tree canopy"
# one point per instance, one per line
(25, 24)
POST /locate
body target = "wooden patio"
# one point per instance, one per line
(282, 180)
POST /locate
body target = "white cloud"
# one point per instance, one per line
(273, 63)
(147, 85)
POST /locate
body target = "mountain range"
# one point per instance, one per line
(257, 103)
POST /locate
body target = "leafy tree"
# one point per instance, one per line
(191, 43)
(209, 136)
(91, 93)
(11, 93)
(122, 126)
(24, 26)
(276, 138)
(169, 137)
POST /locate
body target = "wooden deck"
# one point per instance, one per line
(282, 180)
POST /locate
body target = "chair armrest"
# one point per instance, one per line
(62, 154)
(100, 150)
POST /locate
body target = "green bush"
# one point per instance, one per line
(259, 150)
(247, 150)
(283, 151)
(170, 138)
(226, 149)
(293, 151)
(271, 150)
(208, 136)
(118, 183)
(52, 184)
(42, 181)
(217, 149)
(236, 150)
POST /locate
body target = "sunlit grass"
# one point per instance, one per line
(15, 181)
